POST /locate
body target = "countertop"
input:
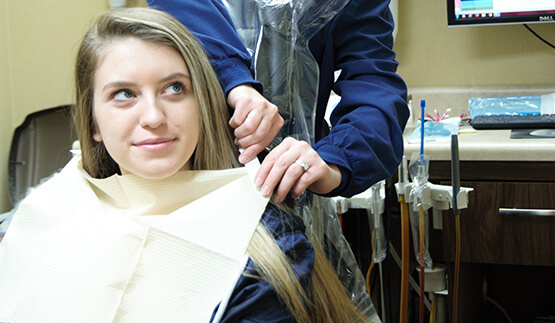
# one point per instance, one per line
(485, 145)
(481, 145)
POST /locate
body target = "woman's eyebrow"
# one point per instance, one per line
(117, 84)
(174, 76)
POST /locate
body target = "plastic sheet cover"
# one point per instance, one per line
(512, 105)
(276, 32)
(418, 169)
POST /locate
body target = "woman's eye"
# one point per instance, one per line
(174, 88)
(123, 95)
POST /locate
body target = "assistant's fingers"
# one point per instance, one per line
(243, 99)
(259, 140)
(270, 164)
(270, 171)
(293, 177)
(251, 152)
(239, 115)
(249, 126)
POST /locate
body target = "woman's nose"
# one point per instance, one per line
(152, 114)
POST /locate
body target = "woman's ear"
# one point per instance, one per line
(96, 135)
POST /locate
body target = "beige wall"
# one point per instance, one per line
(38, 40)
(5, 108)
(431, 54)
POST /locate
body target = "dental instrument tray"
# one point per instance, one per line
(522, 121)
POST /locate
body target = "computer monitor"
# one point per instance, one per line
(490, 12)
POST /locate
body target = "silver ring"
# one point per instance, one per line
(302, 164)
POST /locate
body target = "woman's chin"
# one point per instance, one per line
(156, 171)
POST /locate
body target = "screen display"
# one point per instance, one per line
(476, 12)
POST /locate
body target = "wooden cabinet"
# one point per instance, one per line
(488, 236)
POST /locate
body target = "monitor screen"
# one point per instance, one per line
(482, 12)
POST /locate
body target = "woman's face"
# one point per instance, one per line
(145, 109)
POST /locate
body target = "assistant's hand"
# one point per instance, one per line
(256, 121)
(280, 168)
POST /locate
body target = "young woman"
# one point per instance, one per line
(151, 119)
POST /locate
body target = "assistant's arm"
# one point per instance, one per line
(366, 139)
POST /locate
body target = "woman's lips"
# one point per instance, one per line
(155, 144)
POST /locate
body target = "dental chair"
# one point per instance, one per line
(40, 147)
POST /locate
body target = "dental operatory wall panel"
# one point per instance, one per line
(38, 40)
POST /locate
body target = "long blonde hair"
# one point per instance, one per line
(327, 300)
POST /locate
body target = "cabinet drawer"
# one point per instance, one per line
(488, 236)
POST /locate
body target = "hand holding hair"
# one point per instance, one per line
(256, 121)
